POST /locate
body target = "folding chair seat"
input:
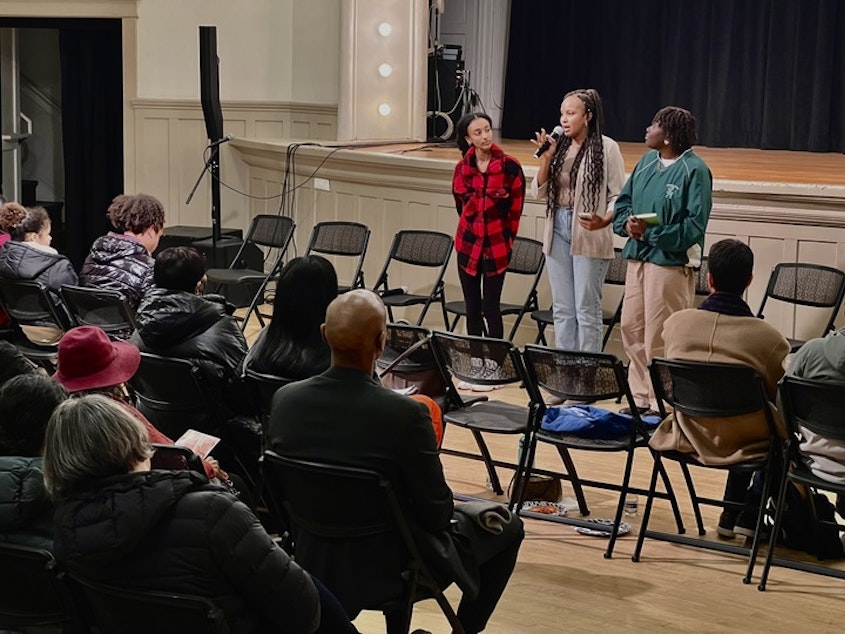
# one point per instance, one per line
(526, 259)
(817, 407)
(273, 233)
(32, 593)
(111, 609)
(415, 248)
(106, 309)
(717, 391)
(483, 361)
(804, 284)
(589, 377)
(371, 527)
(346, 239)
(615, 276)
(33, 310)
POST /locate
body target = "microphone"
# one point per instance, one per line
(547, 144)
(225, 139)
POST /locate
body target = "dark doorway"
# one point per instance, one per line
(89, 148)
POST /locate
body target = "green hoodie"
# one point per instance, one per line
(681, 195)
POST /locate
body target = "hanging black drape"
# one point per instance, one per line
(755, 73)
(92, 123)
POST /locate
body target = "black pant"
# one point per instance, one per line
(486, 309)
(496, 557)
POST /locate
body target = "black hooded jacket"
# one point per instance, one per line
(172, 531)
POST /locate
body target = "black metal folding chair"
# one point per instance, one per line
(717, 391)
(372, 513)
(482, 361)
(804, 284)
(615, 276)
(581, 376)
(106, 309)
(415, 248)
(344, 239)
(273, 234)
(31, 592)
(33, 310)
(817, 407)
(526, 259)
(261, 388)
(111, 609)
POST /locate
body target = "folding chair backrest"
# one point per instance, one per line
(460, 355)
(171, 396)
(29, 303)
(111, 609)
(269, 230)
(30, 590)
(400, 369)
(342, 239)
(421, 248)
(301, 487)
(709, 390)
(261, 388)
(527, 257)
(702, 279)
(574, 375)
(99, 307)
(818, 406)
(617, 269)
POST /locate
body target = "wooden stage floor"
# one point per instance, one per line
(733, 164)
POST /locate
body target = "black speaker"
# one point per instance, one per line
(445, 80)
(210, 83)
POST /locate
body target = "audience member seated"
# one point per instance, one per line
(724, 330)
(28, 255)
(175, 320)
(345, 416)
(13, 363)
(291, 346)
(26, 513)
(121, 260)
(118, 522)
(823, 359)
(4, 238)
(90, 363)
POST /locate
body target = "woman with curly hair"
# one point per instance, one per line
(580, 176)
(663, 210)
(122, 260)
(28, 254)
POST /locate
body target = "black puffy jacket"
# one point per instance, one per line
(172, 531)
(26, 513)
(20, 261)
(118, 263)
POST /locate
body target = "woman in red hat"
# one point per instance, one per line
(89, 362)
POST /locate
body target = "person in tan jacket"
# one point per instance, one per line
(724, 330)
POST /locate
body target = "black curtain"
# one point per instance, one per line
(755, 73)
(92, 123)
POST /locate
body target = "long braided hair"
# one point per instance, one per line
(678, 126)
(592, 150)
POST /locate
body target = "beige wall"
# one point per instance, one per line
(269, 50)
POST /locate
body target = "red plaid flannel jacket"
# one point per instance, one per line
(489, 205)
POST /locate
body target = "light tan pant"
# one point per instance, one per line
(652, 293)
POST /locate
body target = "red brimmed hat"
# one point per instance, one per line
(88, 360)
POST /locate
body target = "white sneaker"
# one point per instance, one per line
(483, 388)
(463, 385)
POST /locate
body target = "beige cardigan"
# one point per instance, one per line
(591, 244)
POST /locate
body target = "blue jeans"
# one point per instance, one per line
(576, 283)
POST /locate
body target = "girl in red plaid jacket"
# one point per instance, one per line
(489, 190)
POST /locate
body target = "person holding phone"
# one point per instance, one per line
(663, 210)
(580, 175)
